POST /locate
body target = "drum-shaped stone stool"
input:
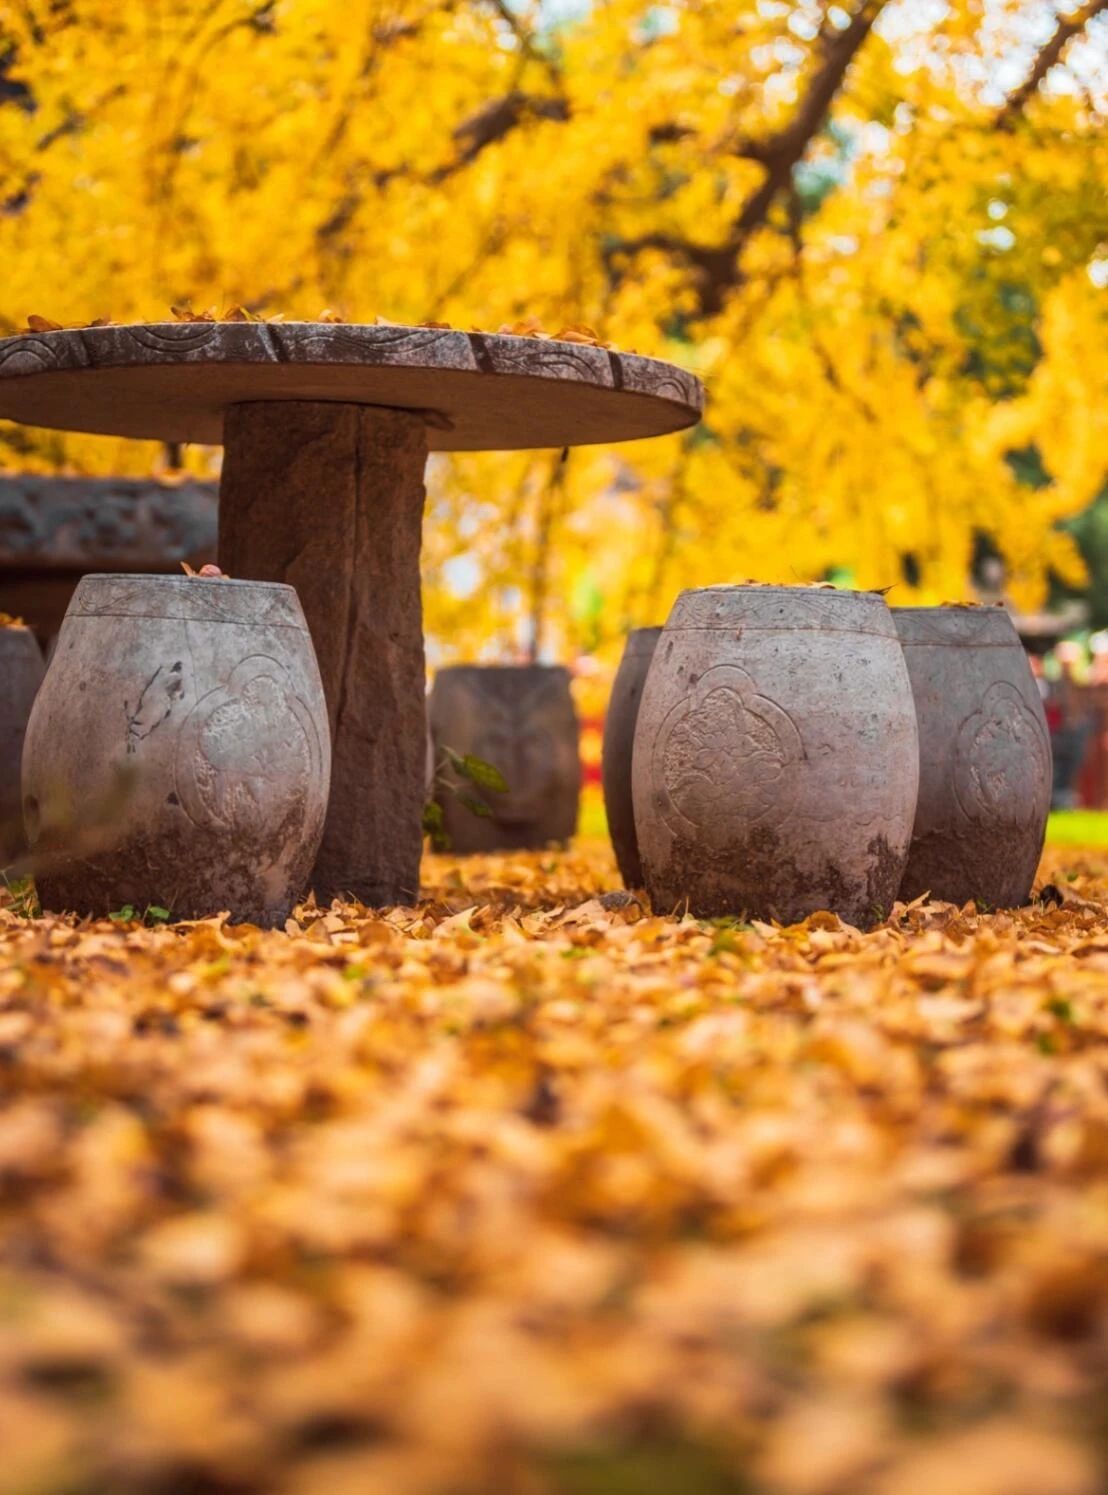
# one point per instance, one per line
(619, 739)
(21, 671)
(520, 719)
(776, 759)
(984, 790)
(178, 752)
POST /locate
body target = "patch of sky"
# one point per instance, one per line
(658, 21)
(815, 179)
(1008, 39)
(997, 238)
(873, 139)
(471, 524)
(556, 12)
(803, 26)
(462, 574)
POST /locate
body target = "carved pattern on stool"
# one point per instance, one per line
(992, 783)
(725, 745)
(216, 784)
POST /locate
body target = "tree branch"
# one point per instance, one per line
(839, 50)
(528, 46)
(719, 266)
(493, 121)
(1064, 32)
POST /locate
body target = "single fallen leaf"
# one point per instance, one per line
(185, 313)
(42, 324)
(530, 327)
(207, 570)
(580, 332)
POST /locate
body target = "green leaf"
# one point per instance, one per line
(434, 826)
(123, 915)
(477, 771)
(156, 914)
(475, 806)
(24, 899)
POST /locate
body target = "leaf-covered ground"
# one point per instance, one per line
(527, 1191)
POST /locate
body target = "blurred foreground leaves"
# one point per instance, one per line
(527, 1190)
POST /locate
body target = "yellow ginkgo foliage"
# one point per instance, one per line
(876, 229)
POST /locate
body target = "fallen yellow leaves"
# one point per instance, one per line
(577, 332)
(185, 313)
(526, 1189)
(44, 324)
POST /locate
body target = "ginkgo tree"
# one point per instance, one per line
(878, 229)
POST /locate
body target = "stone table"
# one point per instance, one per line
(326, 429)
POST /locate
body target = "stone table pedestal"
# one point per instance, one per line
(357, 576)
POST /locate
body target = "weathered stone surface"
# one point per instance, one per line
(21, 670)
(521, 719)
(776, 760)
(329, 498)
(619, 739)
(984, 791)
(177, 753)
(173, 381)
(112, 524)
(53, 531)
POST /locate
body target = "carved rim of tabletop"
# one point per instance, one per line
(172, 381)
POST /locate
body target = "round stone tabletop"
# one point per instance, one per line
(172, 381)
